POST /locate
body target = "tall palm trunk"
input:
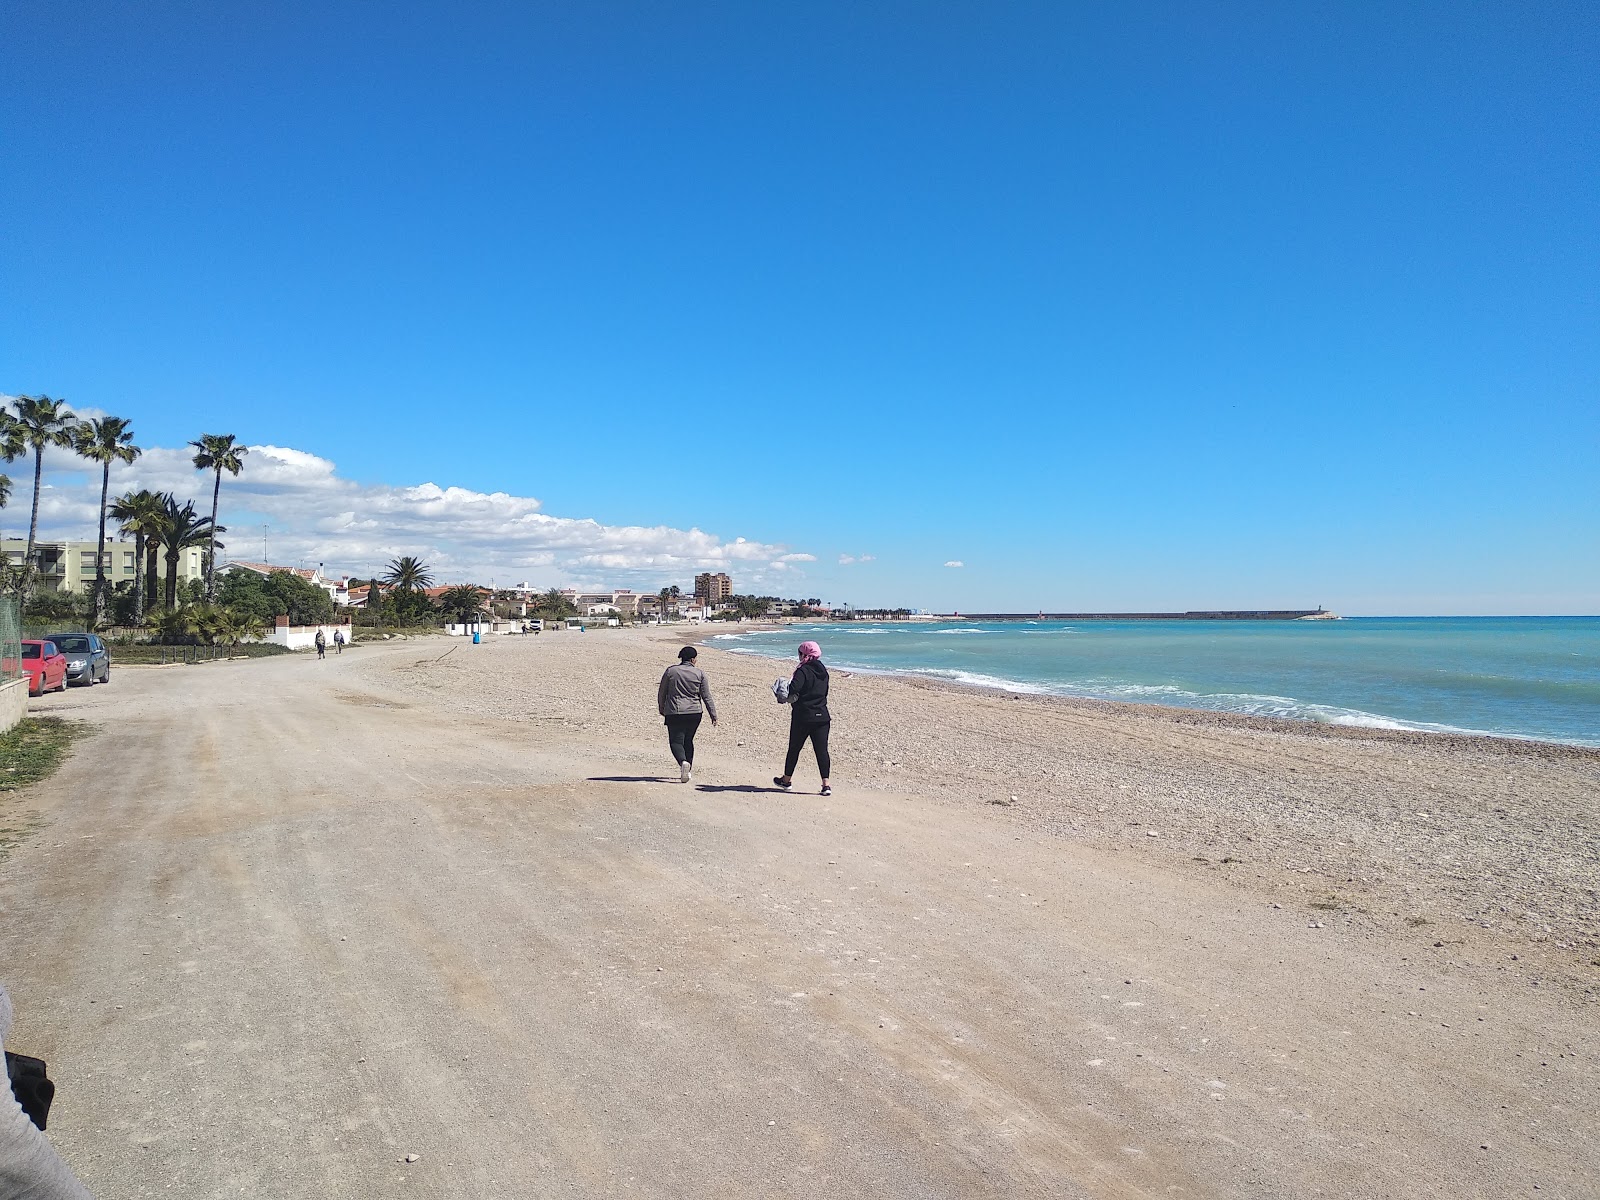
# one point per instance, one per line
(98, 607)
(173, 553)
(33, 521)
(211, 553)
(152, 550)
(138, 577)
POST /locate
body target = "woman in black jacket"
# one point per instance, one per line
(808, 715)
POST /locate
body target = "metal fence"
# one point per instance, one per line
(10, 639)
(192, 654)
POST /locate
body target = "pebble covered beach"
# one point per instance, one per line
(1487, 844)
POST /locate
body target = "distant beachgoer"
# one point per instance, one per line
(322, 644)
(809, 717)
(684, 688)
(338, 641)
(29, 1164)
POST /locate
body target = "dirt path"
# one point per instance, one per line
(283, 928)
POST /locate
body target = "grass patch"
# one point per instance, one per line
(33, 749)
(29, 752)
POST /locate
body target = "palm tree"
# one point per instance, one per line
(231, 626)
(465, 600)
(216, 452)
(5, 497)
(409, 574)
(174, 626)
(39, 422)
(138, 513)
(104, 440)
(181, 528)
(153, 541)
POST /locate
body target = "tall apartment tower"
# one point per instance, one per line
(710, 589)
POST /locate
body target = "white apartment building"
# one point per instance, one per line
(70, 566)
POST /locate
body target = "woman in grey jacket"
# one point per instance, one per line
(684, 688)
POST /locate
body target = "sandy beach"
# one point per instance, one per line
(1477, 842)
(440, 900)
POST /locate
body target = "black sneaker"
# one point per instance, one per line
(826, 790)
(779, 780)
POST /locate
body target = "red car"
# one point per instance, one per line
(46, 667)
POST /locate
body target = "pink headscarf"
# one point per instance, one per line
(809, 651)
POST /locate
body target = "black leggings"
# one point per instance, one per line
(680, 736)
(818, 734)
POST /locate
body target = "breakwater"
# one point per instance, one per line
(1263, 614)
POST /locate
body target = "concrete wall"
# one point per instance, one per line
(13, 702)
(304, 637)
(456, 629)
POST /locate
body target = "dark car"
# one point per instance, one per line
(88, 659)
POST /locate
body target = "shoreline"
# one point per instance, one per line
(1487, 843)
(1461, 739)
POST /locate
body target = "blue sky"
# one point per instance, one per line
(1135, 306)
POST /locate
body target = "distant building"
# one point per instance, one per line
(338, 589)
(437, 593)
(711, 589)
(70, 567)
(622, 600)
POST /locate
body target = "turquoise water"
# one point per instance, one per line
(1529, 677)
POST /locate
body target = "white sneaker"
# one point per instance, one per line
(684, 771)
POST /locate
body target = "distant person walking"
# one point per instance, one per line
(338, 641)
(684, 689)
(322, 644)
(808, 716)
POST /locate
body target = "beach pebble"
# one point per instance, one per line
(1152, 833)
(412, 1157)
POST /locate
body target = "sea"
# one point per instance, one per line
(1521, 677)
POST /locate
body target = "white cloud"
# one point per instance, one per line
(846, 560)
(955, 562)
(313, 515)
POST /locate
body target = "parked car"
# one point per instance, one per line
(88, 657)
(46, 667)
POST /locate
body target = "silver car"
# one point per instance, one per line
(88, 659)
